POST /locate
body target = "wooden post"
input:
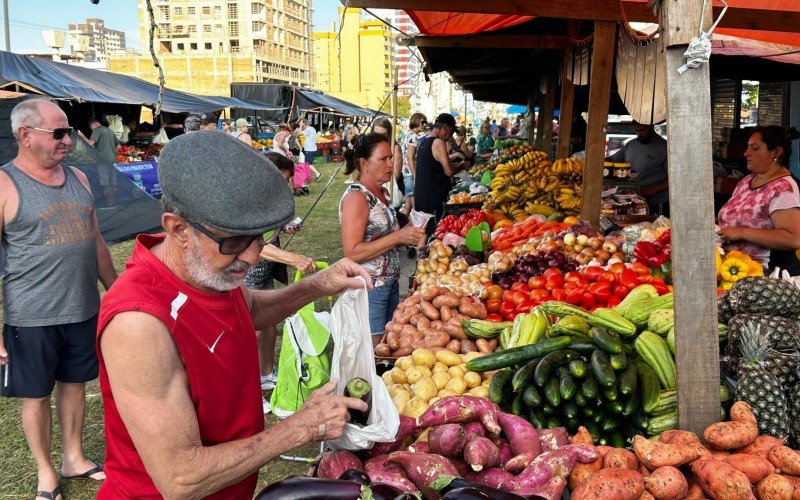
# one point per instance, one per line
(539, 117)
(544, 140)
(691, 195)
(567, 99)
(599, 97)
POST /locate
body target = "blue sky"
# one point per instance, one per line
(29, 17)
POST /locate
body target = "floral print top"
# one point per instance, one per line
(381, 222)
(753, 207)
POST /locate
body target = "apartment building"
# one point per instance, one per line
(204, 45)
(406, 59)
(93, 42)
(356, 65)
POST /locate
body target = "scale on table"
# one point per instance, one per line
(479, 238)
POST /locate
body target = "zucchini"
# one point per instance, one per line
(618, 361)
(611, 319)
(566, 384)
(632, 404)
(577, 368)
(549, 363)
(531, 397)
(517, 405)
(606, 340)
(580, 399)
(569, 409)
(641, 310)
(562, 309)
(500, 385)
(614, 407)
(648, 384)
(655, 351)
(662, 423)
(601, 367)
(517, 355)
(611, 393)
(589, 388)
(667, 402)
(551, 393)
(524, 375)
(627, 380)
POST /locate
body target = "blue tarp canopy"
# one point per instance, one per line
(68, 82)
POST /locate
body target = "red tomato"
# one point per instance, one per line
(554, 282)
(628, 278)
(524, 307)
(617, 267)
(511, 316)
(494, 317)
(493, 305)
(538, 294)
(600, 286)
(520, 286)
(553, 271)
(494, 292)
(621, 290)
(640, 268)
(506, 308)
(537, 282)
(507, 295)
(588, 301)
(582, 283)
(657, 279)
(572, 276)
(608, 277)
(613, 301)
(559, 294)
(644, 278)
(575, 296)
(570, 286)
(661, 288)
(591, 273)
(518, 297)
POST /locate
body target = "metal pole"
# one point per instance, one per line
(394, 127)
(5, 26)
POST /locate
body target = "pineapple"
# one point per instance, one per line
(759, 388)
(760, 295)
(724, 311)
(782, 334)
(794, 415)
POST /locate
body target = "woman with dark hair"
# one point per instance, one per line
(762, 218)
(370, 232)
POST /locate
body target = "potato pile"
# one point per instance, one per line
(421, 379)
(433, 319)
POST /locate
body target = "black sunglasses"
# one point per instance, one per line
(58, 133)
(229, 245)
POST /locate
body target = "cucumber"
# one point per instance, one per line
(618, 361)
(648, 385)
(531, 397)
(640, 420)
(588, 412)
(593, 430)
(632, 404)
(589, 388)
(571, 424)
(606, 340)
(536, 417)
(548, 410)
(566, 384)
(583, 347)
(610, 423)
(569, 409)
(599, 416)
(614, 407)
(518, 355)
(627, 380)
(577, 368)
(611, 393)
(551, 393)
(524, 375)
(517, 405)
(601, 367)
(552, 421)
(617, 440)
(500, 385)
(580, 339)
(550, 362)
(580, 399)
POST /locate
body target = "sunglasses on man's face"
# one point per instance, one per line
(230, 245)
(58, 133)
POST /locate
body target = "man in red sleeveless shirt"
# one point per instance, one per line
(176, 333)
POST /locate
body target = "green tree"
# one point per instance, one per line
(749, 95)
(404, 107)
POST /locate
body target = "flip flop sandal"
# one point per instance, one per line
(88, 474)
(50, 495)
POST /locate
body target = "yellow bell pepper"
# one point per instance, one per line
(726, 285)
(718, 261)
(736, 254)
(734, 269)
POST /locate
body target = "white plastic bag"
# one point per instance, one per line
(419, 219)
(353, 357)
(160, 137)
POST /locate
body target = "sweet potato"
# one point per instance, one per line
(521, 435)
(620, 458)
(519, 462)
(721, 481)
(461, 466)
(552, 439)
(795, 482)
(696, 492)
(646, 496)
(741, 431)
(333, 463)
(741, 412)
(676, 436)
(490, 477)
(506, 453)
(382, 350)
(403, 351)
(551, 490)
(461, 409)
(378, 463)
(611, 484)
(582, 437)
(408, 426)
(392, 340)
(422, 469)
(753, 466)
(582, 471)
(761, 445)
(666, 483)
(774, 487)
(480, 453)
(534, 476)
(655, 454)
(447, 440)
(583, 454)
(420, 447)
(396, 479)
(473, 429)
(785, 459)
(560, 461)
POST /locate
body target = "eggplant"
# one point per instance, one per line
(359, 388)
(406, 496)
(309, 488)
(465, 494)
(383, 491)
(445, 484)
(356, 475)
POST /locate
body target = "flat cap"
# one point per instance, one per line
(219, 180)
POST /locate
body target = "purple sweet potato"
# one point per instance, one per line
(560, 461)
(472, 430)
(396, 479)
(536, 475)
(521, 435)
(481, 453)
(505, 451)
(461, 466)
(420, 447)
(491, 477)
(408, 426)
(584, 454)
(519, 462)
(552, 439)
(447, 440)
(423, 469)
(333, 463)
(461, 409)
(552, 490)
(378, 464)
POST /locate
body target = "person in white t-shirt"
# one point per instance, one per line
(310, 145)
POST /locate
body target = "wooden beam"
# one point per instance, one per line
(691, 194)
(744, 16)
(599, 97)
(489, 41)
(567, 99)
(545, 139)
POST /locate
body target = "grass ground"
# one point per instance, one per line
(320, 239)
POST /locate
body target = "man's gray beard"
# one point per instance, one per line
(201, 272)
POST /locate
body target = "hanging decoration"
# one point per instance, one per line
(641, 82)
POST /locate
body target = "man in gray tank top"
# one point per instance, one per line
(54, 255)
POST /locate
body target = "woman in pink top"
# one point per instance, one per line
(762, 218)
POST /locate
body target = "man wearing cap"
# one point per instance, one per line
(241, 131)
(434, 169)
(176, 334)
(204, 121)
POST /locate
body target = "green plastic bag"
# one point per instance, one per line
(303, 365)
